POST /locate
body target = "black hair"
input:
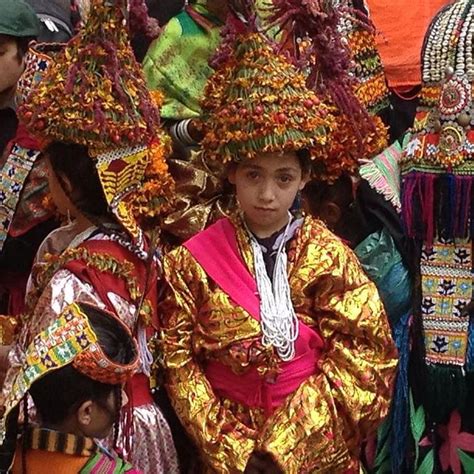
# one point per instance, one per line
(73, 162)
(58, 394)
(317, 193)
(22, 44)
(304, 158)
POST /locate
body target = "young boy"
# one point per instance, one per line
(74, 371)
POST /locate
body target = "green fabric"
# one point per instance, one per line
(18, 19)
(383, 264)
(176, 64)
(104, 463)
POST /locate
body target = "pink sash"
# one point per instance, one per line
(216, 250)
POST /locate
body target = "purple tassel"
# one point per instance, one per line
(427, 212)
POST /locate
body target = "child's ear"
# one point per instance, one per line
(65, 184)
(84, 413)
(304, 180)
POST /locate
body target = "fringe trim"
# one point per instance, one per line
(437, 205)
(379, 182)
(447, 388)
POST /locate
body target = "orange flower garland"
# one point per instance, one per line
(258, 102)
(155, 198)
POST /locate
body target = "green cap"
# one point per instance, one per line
(18, 19)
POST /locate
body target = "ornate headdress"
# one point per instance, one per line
(95, 96)
(70, 339)
(358, 30)
(319, 37)
(258, 102)
(438, 164)
(437, 202)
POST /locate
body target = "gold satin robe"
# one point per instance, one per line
(320, 426)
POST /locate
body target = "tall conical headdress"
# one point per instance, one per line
(258, 102)
(95, 96)
(311, 34)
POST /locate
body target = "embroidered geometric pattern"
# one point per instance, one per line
(13, 176)
(446, 272)
(121, 172)
(37, 61)
(50, 350)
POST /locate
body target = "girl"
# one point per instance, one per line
(277, 350)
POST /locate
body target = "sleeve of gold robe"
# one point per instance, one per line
(324, 422)
(225, 443)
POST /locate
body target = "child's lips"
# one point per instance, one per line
(265, 209)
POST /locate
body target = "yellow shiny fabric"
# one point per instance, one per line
(320, 427)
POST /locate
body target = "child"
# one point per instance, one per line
(278, 352)
(24, 219)
(104, 178)
(74, 371)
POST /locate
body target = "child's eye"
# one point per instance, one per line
(286, 178)
(253, 175)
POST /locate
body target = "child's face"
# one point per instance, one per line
(11, 66)
(266, 187)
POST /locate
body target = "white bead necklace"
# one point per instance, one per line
(277, 315)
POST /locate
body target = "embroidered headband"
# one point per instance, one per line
(94, 363)
(69, 339)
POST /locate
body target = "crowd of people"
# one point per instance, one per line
(223, 249)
